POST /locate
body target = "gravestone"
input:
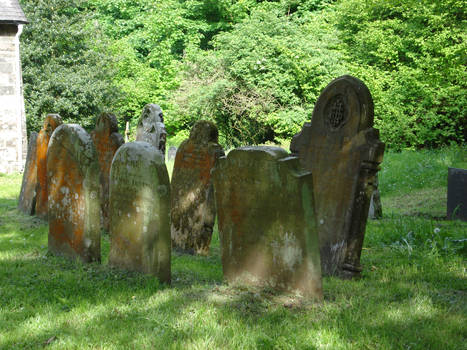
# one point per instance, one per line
(343, 152)
(457, 194)
(193, 209)
(27, 196)
(106, 140)
(140, 211)
(151, 128)
(51, 122)
(74, 194)
(376, 208)
(171, 153)
(266, 221)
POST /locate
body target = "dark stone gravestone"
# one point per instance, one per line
(376, 208)
(267, 222)
(193, 209)
(51, 122)
(27, 196)
(140, 211)
(106, 140)
(457, 194)
(343, 152)
(151, 128)
(74, 194)
(171, 153)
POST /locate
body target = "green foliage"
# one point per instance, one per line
(261, 77)
(66, 68)
(412, 55)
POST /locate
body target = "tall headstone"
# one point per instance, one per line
(106, 140)
(266, 221)
(343, 151)
(51, 122)
(74, 194)
(376, 208)
(27, 196)
(151, 128)
(193, 209)
(171, 153)
(457, 194)
(13, 139)
(140, 211)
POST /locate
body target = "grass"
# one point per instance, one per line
(413, 293)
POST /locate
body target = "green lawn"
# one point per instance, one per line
(413, 294)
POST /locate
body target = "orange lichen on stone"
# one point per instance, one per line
(107, 140)
(192, 201)
(27, 196)
(51, 122)
(73, 194)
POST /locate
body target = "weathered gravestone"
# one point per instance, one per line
(376, 208)
(457, 194)
(343, 152)
(266, 221)
(27, 196)
(171, 153)
(140, 211)
(151, 128)
(51, 122)
(74, 194)
(106, 140)
(193, 209)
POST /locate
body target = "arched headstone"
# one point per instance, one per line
(74, 194)
(193, 209)
(151, 128)
(106, 140)
(343, 152)
(266, 221)
(140, 211)
(51, 122)
(27, 196)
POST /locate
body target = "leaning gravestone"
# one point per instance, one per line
(171, 153)
(27, 196)
(267, 222)
(51, 122)
(74, 194)
(193, 209)
(106, 140)
(457, 194)
(140, 211)
(151, 128)
(343, 152)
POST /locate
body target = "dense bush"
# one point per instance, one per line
(66, 67)
(255, 67)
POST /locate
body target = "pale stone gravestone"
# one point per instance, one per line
(106, 140)
(140, 211)
(51, 122)
(457, 194)
(74, 194)
(267, 222)
(171, 153)
(27, 196)
(151, 128)
(193, 209)
(343, 152)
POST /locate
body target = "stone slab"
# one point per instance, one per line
(457, 194)
(27, 195)
(140, 211)
(193, 209)
(106, 140)
(343, 152)
(151, 128)
(74, 194)
(51, 122)
(267, 222)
